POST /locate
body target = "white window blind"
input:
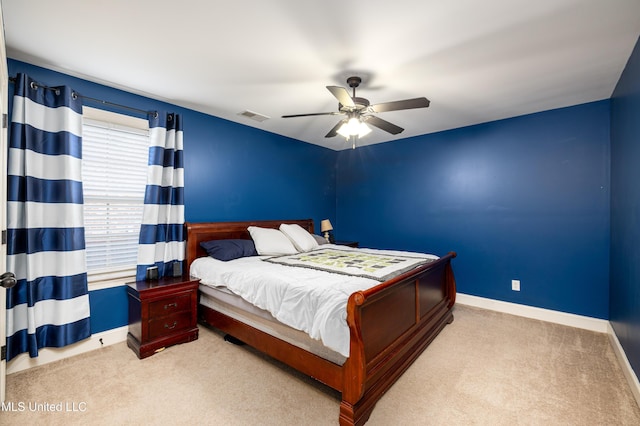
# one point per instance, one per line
(115, 151)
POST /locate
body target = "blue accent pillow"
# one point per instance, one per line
(229, 249)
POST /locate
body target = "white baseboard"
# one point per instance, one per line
(47, 355)
(563, 318)
(627, 370)
(572, 320)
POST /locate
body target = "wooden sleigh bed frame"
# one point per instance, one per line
(390, 324)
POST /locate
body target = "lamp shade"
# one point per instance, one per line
(325, 226)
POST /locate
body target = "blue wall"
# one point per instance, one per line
(232, 172)
(525, 198)
(625, 210)
(235, 172)
(109, 308)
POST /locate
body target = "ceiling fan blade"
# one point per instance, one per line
(342, 96)
(383, 124)
(334, 131)
(398, 105)
(311, 114)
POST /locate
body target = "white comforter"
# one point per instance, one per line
(305, 299)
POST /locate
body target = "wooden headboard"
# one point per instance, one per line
(207, 231)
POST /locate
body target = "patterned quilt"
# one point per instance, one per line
(380, 267)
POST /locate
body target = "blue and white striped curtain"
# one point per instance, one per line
(49, 306)
(161, 241)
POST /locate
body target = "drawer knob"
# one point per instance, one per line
(171, 305)
(172, 326)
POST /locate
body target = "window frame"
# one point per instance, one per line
(106, 279)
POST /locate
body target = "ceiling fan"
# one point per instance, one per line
(359, 111)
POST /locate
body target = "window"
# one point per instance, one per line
(115, 151)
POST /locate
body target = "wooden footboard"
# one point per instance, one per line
(390, 325)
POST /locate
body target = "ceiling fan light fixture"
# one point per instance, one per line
(359, 111)
(354, 127)
(364, 130)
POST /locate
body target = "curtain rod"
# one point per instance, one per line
(100, 101)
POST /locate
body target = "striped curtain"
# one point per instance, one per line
(161, 241)
(49, 306)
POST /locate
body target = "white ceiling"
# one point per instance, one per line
(476, 61)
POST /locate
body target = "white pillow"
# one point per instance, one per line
(271, 241)
(299, 236)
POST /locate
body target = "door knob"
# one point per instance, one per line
(8, 280)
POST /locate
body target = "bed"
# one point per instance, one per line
(389, 324)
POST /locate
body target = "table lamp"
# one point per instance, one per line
(325, 226)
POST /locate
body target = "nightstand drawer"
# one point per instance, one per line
(163, 326)
(162, 313)
(170, 305)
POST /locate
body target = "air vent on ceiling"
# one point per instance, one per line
(254, 115)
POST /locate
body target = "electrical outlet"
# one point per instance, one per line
(515, 285)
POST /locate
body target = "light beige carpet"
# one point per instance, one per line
(486, 368)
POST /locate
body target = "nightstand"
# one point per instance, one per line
(162, 313)
(353, 244)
